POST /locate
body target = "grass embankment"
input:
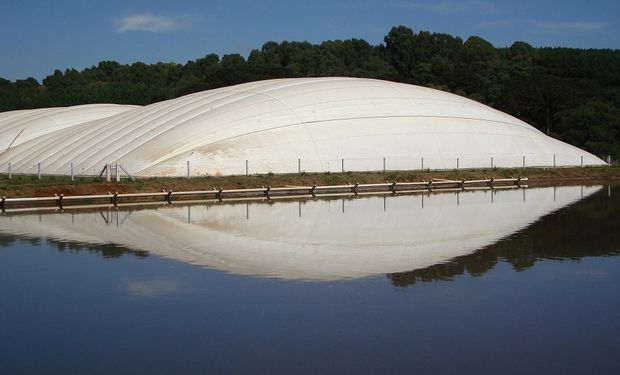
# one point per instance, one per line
(30, 186)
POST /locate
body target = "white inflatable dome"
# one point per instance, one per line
(286, 125)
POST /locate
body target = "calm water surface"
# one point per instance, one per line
(515, 281)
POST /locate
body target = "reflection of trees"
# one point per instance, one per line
(106, 250)
(590, 227)
(476, 265)
(7, 240)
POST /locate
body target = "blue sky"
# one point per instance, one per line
(40, 36)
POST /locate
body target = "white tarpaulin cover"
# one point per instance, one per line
(281, 126)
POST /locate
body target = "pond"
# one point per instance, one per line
(502, 281)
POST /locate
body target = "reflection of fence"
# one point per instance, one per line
(189, 168)
(264, 192)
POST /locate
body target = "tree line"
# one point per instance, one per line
(571, 94)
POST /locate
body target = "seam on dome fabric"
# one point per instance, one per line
(271, 86)
(440, 101)
(297, 82)
(47, 112)
(316, 150)
(321, 121)
(163, 159)
(101, 130)
(24, 152)
(138, 127)
(31, 117)
(35, 142)
(308, 122)
(189, 148)
(52, 138)
(231, 94)
(464, 100)
(167, 126)
(145, 130)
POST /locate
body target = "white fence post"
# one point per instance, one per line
(10, 171)
(72, 178)
(342, 165)
(39, 170)
(247, 171)
(188, 170)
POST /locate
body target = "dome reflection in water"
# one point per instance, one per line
(411, 237)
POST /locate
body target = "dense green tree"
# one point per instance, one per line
(399, 44)
(594, 125)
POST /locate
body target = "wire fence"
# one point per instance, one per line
(231, 167)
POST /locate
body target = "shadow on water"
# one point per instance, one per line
(589, 227)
